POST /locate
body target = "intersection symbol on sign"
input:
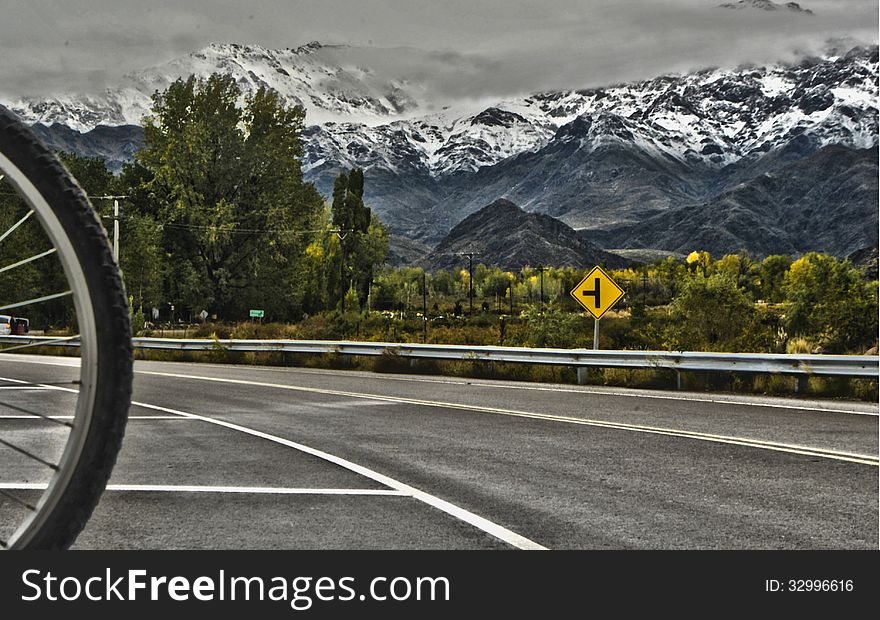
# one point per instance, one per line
(597, 292)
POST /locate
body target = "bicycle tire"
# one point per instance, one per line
(104, 394)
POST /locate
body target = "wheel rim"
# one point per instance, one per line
(32, 523)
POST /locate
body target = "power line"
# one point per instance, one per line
(220, 228)
(123, 218)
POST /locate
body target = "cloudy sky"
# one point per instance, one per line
(494, 47)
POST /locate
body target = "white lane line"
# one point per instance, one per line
(70, 417)
(158, 488)
(481, 523)
(691, 399)
(863, 459)
(20, 358)
(645, 395)
(18, 388)
(74, 362)
(493, 529)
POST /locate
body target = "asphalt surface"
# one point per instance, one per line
(247, 457)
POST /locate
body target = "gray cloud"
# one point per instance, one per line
(484, 48)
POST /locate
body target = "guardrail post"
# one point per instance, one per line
(798, 368)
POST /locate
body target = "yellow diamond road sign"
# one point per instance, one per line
(597, 292)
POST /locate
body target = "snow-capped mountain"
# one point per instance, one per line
(601, 159)
(766, 5)
(332, 82)
(376, 119)
(716, 117)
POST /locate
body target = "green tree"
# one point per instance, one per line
(323, 256)
(699, 261)
(141, 260)
(772, 276)
(43, 275)
(554, 327)
(91, 173)
(830, 304)
(364, 240)
(33, 279)
(141, 252)
(231, 197)
(709, 314)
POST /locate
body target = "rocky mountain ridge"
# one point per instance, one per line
(602, 160)
(503, 235)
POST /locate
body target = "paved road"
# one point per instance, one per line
(247, 457)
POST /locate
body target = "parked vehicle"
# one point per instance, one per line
(13, 325)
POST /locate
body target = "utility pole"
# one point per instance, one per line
(370, 291)
(115, 218)
(424, 307)
(471, 283)
(541, 270)
(341, 233)
(116, 230)
(470, 256)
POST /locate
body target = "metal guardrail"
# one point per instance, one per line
(858, 366)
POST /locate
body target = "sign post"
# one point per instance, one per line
(257, 314)
(597, 293)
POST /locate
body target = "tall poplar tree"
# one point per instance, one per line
(231, 196)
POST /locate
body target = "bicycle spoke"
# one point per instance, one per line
(53, 221)
(40, 343)
(37, 300)
(34, 413)
(29, 454)
(16, 225)
(17, 500)
(27, 260)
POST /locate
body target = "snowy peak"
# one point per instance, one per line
(714, 117)
(766, 5)
(327, 80)
(364, 118)
(331, 82)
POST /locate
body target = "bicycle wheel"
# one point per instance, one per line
(61, 423)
